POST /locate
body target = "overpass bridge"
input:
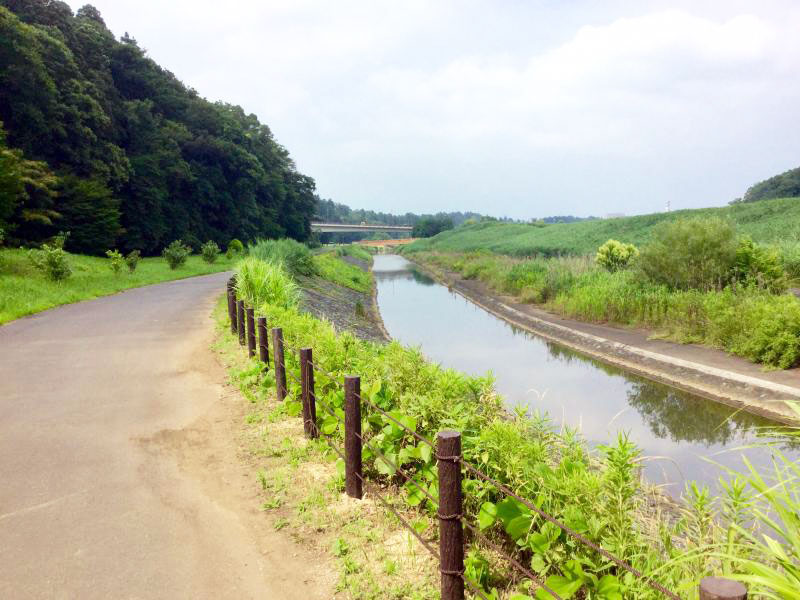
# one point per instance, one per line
(346, 228)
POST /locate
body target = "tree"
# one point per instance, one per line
(785, 185)
(90, 213)
(430, 226)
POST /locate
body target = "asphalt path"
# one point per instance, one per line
(92, 503)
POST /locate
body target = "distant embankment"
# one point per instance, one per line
(768, 221)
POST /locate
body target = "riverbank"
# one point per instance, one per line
(701, 370)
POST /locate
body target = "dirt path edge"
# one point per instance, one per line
(753, 394)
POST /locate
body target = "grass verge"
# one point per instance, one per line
(302, 495)
(25, 290)
(331, 266)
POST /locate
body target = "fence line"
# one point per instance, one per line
(451, 465)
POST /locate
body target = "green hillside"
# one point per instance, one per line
(768, 221)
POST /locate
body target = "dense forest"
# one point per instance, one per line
(785, 185)
(98, 140)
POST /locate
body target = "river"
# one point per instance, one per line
(678, 432)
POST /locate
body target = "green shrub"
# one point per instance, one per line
(51, 258)
(132, 260)
(235, 247)
(614, 255)
(790, 259)
(116, 260)
(293, 255)
(176, 254)
(260, 281)
(209, 251)
(688, 254)
(759, 266)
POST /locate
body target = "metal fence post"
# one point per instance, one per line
(717, 588)
(280, 365)
(451, 530)
(240, 321)
(309, 400)
(263, 342)
(352, 437)
(251, 333)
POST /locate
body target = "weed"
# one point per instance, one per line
(116, 261)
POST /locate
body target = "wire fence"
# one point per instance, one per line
(452, 468)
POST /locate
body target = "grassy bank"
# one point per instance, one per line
(745, 321)
(597, 492)
(24, 290)
(768, 221)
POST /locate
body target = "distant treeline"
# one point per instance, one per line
(785, 185)
(103, 142)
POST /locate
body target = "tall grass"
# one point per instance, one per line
(259, 281)
(293, 255)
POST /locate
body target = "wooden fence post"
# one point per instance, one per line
(352, 437)
(251, 333)
(280, 365)
(232, 308)
(309, 400)
(263, 342)
(717, 588)
(451, 530)
(240, 320)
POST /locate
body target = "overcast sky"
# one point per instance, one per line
(520, 108)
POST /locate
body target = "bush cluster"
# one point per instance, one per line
(51, 258)
(614, 255)
(132, 260)
(209, 251)
(176, 254)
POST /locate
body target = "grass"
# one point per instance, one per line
(768, 221)
(596, 491)
(330, 266)
(25, 290)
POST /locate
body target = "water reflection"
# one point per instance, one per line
(573, 388)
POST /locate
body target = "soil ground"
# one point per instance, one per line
(124, 469)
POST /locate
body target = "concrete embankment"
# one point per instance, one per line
(701, 370)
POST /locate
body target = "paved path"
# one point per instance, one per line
(94, 499)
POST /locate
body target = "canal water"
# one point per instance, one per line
(678, 431)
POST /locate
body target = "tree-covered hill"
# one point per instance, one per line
(784, 185)
(99, 140)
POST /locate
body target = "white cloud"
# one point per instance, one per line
(498, 106)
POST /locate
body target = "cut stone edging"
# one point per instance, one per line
(755, 395)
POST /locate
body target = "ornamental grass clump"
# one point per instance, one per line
(259, 281)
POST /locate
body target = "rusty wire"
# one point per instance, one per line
(402, 520)
(420, 437)
(405, 475)
(496, 547)
(571, 532)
